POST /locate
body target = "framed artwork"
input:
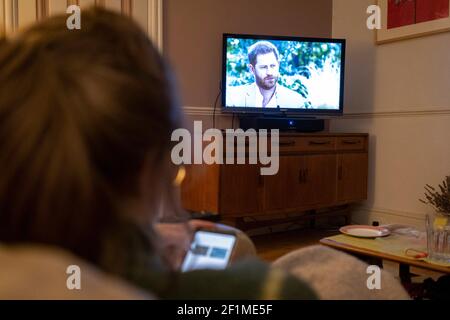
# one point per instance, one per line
(404, 19)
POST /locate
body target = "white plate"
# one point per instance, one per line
(365, 231)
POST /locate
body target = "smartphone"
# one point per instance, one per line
(209, 250)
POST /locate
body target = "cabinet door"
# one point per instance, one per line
(286, 189)
(200, 188)
(320, 180)
(301, 181)
(352, 176)
(240, 189)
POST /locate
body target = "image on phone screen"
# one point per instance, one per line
(209, 250)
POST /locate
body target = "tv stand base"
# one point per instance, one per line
(283, 124)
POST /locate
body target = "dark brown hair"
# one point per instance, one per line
(261, 47)
(80, 113)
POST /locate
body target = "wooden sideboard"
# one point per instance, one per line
(316, 171)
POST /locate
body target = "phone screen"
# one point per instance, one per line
(209, 250)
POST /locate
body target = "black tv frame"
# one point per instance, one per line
(281, 111)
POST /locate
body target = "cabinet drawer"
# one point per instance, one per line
(351, 143)
(307, 144)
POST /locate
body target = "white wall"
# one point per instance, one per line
(399, 93)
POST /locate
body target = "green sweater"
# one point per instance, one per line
(129, 254)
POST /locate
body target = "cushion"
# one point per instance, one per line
(32, 272)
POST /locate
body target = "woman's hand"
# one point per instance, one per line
(176, 239)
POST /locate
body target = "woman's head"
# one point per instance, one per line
(82, 113)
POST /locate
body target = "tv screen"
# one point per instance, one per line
(282, 74)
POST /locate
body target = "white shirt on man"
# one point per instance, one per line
(249, 96)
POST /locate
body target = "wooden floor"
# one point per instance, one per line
(272, 246)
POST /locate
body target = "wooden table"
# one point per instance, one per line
(364, 248)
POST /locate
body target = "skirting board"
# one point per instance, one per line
(366, 215)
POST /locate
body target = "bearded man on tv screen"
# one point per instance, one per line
(265, 92)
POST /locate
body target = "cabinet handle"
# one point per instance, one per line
(287, 143)
(319, 143)
(340, 171)
(303, 176)
(300, 176)
(351, 141)
(261, 180)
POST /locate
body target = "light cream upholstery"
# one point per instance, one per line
(244, 245)
(335, 275)
(29, 272)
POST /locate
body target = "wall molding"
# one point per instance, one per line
(207, 111)
(127, 7)
(365, 215)
(42, 9)
(11, 15)
(100, 3)
(391, 212)
(155, 22)
(436, 111)
(2, 18)
(203, 111)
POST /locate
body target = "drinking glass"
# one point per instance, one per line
(438, 237)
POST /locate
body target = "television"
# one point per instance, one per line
(282, 75)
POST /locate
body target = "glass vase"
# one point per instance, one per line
(438, 237)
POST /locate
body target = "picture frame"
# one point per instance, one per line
(405, 19)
